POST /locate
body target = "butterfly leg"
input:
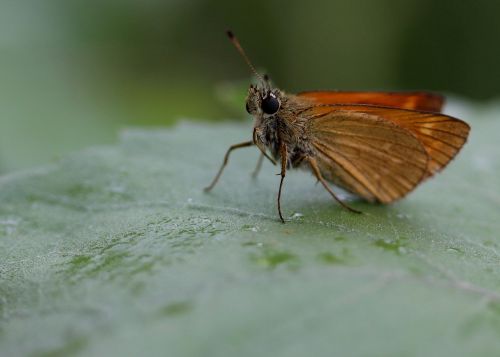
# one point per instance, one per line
(258, 167)
(224, 163)
(262, 148)
(284, 159)
(259, 163)
(263, 154)
(314, 166)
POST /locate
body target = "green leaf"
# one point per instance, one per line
(117, 251)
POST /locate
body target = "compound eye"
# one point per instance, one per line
(270, 104)
(247, 108)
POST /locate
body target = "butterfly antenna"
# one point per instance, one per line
(236, 44)
(267, 81)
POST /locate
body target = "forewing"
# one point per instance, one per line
(422, 101)
(442, 136)
(366, 154)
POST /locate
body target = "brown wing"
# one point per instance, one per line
(366, 154)
(442, 136)
(423, 101)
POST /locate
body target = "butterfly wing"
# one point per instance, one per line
(382, 153)
(366, 154)
(441, 135)
(422, 101)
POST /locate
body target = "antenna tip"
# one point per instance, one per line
(266, 77)
(230, 34)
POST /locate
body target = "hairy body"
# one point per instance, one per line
(289, 127)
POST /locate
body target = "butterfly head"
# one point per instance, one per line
(263, 100)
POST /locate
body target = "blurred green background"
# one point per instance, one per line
(72, 73)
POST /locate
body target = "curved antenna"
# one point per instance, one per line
(236, 44)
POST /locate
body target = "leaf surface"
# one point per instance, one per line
(117, 251)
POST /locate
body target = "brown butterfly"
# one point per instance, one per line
(377, 145)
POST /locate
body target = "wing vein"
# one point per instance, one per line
(380, 164)
(364, 136)
(442, 131)
(440, 140)
(320, 149)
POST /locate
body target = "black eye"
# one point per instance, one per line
(270, 104)
(248, 108)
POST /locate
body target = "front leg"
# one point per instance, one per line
(261, 146)
(284, 161)
(226, 159)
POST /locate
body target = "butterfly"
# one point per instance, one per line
(377, 145)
